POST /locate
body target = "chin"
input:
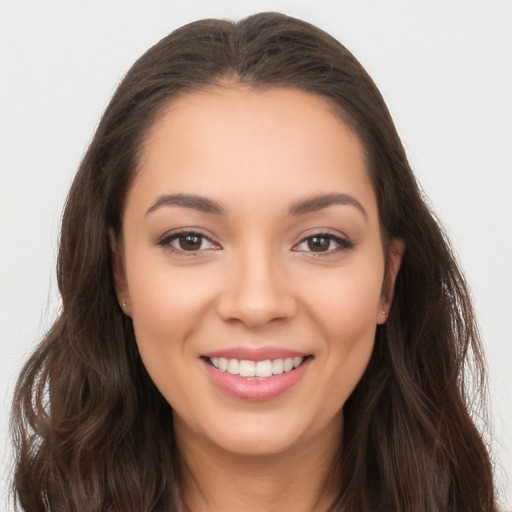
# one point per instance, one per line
(258, 442)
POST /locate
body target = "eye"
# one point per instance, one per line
(187, 241)
(323, 243)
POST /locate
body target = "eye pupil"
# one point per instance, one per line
(190, 242)
(318, 243)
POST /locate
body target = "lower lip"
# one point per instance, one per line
(256, 390)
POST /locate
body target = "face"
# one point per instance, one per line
(252, 265)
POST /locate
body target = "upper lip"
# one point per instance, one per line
(255, 354)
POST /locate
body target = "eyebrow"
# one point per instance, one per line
(199, 203)
(316, 203)
(205, 205)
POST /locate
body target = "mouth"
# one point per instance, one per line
(256, 375)
(256, 370)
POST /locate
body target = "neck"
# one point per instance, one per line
(299, 479)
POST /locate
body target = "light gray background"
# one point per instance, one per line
(444, 67)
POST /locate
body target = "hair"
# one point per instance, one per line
(92, 433)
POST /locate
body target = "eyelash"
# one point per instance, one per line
(166, 242)
(343, 244)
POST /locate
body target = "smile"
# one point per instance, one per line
(256, 374)
(255, 369)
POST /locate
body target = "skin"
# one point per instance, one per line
(255, 281)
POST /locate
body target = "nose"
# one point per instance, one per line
(257, 291)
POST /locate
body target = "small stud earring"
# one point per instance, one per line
(123, 303)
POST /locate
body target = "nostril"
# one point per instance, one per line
(255, 291)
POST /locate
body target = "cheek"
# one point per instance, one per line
(167, 310)
(345, 312)
(346, 302)
(353, 309)
(168, 303)
(350, 332)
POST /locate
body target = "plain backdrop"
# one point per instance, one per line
(443, 66)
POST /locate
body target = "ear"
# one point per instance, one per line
(394, 260)
(118, 269)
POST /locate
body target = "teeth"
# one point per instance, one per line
(256, 369)
(264, 369)
(247, 368)
(234, 366)
(277, 366)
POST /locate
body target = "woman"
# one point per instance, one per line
(259, 310)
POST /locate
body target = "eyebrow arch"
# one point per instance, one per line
(200, 203)
(316, 203)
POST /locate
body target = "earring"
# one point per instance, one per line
(123, 303)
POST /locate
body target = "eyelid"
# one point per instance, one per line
(165, 240)
(343, 241)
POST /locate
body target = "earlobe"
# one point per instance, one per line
(394, 260)
(119, 273)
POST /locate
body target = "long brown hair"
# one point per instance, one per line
(92, 432)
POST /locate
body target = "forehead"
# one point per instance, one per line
(245, 143)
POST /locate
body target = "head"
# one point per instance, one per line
(411, 356)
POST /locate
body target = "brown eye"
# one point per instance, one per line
(190, 242)
(318, 243)
(187, 242)
(323, 243)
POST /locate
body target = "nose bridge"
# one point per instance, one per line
(257, 289)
